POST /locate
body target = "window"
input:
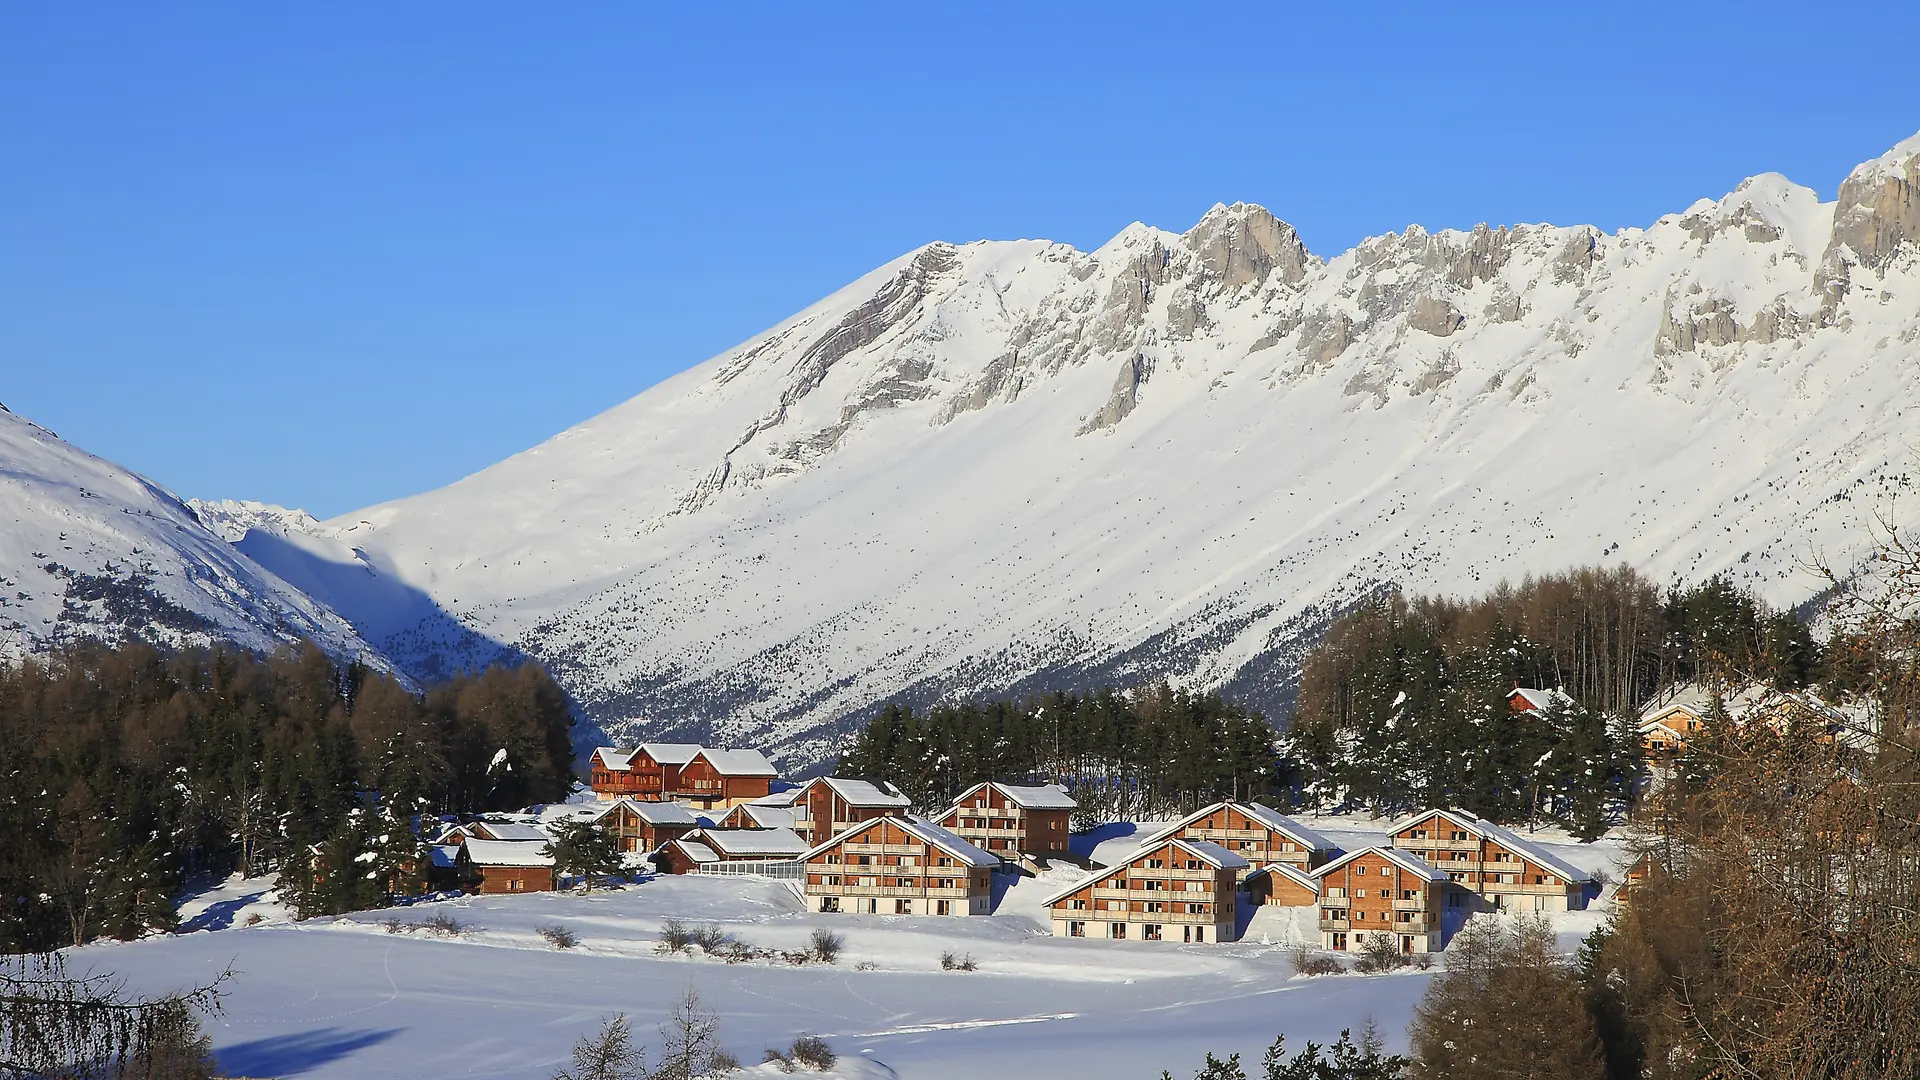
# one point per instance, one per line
(1359, 869)
(1196, 909)
(1336, 893)
(1156, 864)
(1117, 930)
(1153, 885)
(943, 907)
(1340, 942)
(1150, 932)
(1156, 906)
(903, 907)
(1078, 904)
(1076, 929)
(830, 903)
(1454, 899)
(1459, 834)
(1333, 913)
(1193, 864)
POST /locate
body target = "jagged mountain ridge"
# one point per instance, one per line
(91, 551)
(1013, 463)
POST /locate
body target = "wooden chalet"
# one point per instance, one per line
(725, 778)
(1258, 834)
(517, 831)
(1173, 889)
(506, 866)
(1010, 820)
(1282, 885)
(1382, 891)
(1535, 702)
(688, 853)
(644, 825)
(1506, 872)
(1665, 729)
(648, 771)
(827, 806)
(899, 866)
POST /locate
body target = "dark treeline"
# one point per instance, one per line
(128, 771)
(1123, 755)
(1403, 705)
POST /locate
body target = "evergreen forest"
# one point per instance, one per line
(129, 772)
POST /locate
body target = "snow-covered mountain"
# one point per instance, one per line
(90, 551)
(1014, 464)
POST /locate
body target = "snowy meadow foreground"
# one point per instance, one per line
(347, 998)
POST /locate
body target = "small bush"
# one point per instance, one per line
(1380, 953)
(734, 951)
(866, 965)
(813, 1052)
(675, 937)
(778, 1059)
(711, 938)
(255, 919)
(395, 926)
(825, 945)
(559, 936)
(797, 957)
(1307, 962)
(722, 1062)
(952, 962)
(445, 926)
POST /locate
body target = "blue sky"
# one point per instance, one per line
(326, 256)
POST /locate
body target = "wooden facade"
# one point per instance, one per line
(506, 866)
(749, 815)
(1173, 890)
(686, 854)
(899, 866)
(1011, 821)
(1382, 891)
(1282, 885)
(1664, 732)
(722, 779)
(648, 771)
(1258, 834)
(1508, 873)
(830, 805)
(642, 826)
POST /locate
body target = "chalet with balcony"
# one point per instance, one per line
(1010, 820)
(506, 866)
(1282, 885)
(723, 779)
(1258, 834)
(1666, 729)
(1506, 872)
(1174, 889)
(1377, 891)
(643, 825)
(827, 806)
(899, 866)
(648, 771)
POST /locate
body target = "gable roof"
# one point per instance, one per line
(508, 852)
(668, 753)
(1538, 700)
(1205, 850)
(651, 811)
(1487, 830)
(613, 758)
(768, 843)
(737, 762)
(1266, 815)
(1405, 860)
(694, 850)
(932, 834)
(862, 792)
(1289, 871)
(511, 830)
(1042, 797)
(765, 817)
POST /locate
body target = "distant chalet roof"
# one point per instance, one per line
(1481, 827)
(513, 830)
(613, 758)
(696, 850)
(1539, 700)
(738, 762)
(445, 856)
(753, 843)
(1205, 850)
(927, 831)
(1296, 874)
(1406, 860)
(1266, 815)
(509, 852)
(1044, 797)
(651, 811)
(768, 817)
(669, 753)
(864, 792)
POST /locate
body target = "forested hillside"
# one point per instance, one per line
(128, 771)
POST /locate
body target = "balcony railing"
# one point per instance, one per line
(1409, 905)
(1333, 924)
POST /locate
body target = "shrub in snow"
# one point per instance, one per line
(559, 936)
(778, 1059)
(711, 939)
(1307, 962)
(444, 926)
(675, 937)
(950, 961)
(825, 945)
(1379, 952)
(813, 1052)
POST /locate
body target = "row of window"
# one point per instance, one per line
(893, 882)
(1148, 931)
(865, 905)
(885, 860)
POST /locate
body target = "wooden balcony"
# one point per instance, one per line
(1409, 905)
(1437, 845)
(1333, 924)
(852, 848)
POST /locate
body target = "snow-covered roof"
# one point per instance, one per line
(1205, 850)
(947, 841)
(1405, 860)
(444, 856)
(669, 753)
(1046, 797)
(508, 852)
(780, 798)
(768, 843)
(651, 811)
(1296, 874)
(696, 850)
(1266, 815)
(738, 762)
(863, 792)
(767, 817)
(513, 830)
(613, 758)
(1539, 699)
(1481, 827)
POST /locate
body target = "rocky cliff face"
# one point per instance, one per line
(1016, 464)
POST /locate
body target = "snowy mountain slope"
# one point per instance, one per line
(1016, 464)
(89, 550)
